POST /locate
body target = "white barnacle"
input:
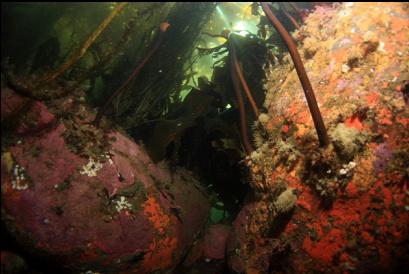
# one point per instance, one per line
(381, 47)
(347, 168)
(122, 204)
(345, 68)
(351, 165)
(15, 171)
(107, 156)
(90, 272)
(345, 13)
(91, 168)
(263, 118)
(19, 180)
(343, 171)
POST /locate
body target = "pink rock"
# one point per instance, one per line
(33, 116)
(215, 241)
(12, 263)
(237, 238)
(9, 101)
(129, 215)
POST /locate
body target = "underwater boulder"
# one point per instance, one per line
(215, 241)
(37, 119)
(343, 208)
(12, 263)
(208, 253)
(110, 210)
(237, 238)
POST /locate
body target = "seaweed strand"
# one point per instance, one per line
(78, 54)
(302, 75)
(297, 10)
(289, 16)
(243, 121)
(164, 26)
(239, 73)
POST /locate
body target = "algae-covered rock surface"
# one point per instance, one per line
(91, 199)
(351, 212)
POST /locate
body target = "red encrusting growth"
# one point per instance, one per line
(364, 226)
(343, 232)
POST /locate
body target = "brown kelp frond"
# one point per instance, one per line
(239, 73)
(299, 11)
(78, 54)
(302, 75)
(243, 119)
(163, 28)
(289, 16)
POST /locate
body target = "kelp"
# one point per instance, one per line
(83, 49)
(157, 87)
(163, 28)
(302, 75)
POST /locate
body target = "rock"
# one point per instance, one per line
(29, 116)
(12, 263)
(350, 213)
(119, 213)
(215, 241)
(236, 258)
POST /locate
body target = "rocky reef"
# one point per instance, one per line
(79, 192)
(345, 207)
(91, 199)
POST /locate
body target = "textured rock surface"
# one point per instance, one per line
(351, 213)
(11, 263)
(118, 213)
(215, 241)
